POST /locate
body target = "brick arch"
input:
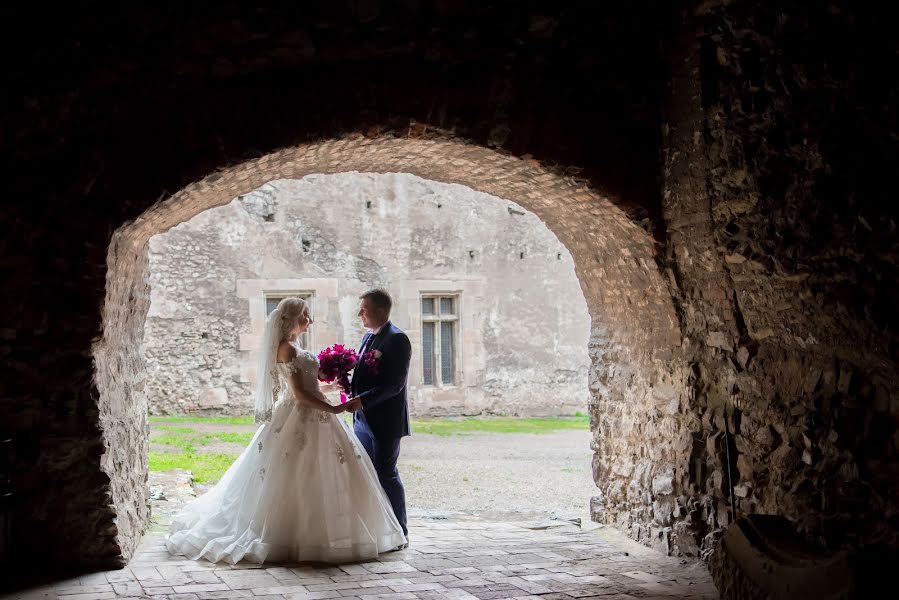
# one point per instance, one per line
(636, 369)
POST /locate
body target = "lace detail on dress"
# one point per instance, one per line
(301, 440)
(276, 385)
(305, 364)
(303, 361)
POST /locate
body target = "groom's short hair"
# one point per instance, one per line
(379, 298)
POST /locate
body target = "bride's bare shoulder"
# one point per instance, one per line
(286, 351)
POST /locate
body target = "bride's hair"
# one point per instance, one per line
(291, 310)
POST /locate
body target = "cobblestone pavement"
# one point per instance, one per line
(448, 559)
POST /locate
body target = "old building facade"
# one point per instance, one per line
(487, 294)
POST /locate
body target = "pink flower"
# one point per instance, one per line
(371, 360)
(335, 363)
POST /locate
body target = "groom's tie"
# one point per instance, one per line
(367, 342)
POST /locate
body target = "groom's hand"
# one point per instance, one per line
(353, 404)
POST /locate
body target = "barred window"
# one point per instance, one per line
(439, 347)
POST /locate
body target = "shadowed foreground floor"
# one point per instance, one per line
(458, 558)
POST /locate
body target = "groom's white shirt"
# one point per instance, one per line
(374, 332)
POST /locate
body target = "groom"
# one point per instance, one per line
(378, 402)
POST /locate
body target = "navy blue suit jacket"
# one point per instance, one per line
(385, 409)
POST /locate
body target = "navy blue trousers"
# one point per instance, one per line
(384, 454)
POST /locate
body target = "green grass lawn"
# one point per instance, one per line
(221, 420)
(209, 467)
(188, 439)
(468, 425)
(205, 466)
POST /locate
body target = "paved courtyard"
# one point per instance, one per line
(515, 531)
(458, 558)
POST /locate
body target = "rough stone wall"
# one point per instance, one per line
(115, 109)
(192, 337)
(776, 179)
(524, 324)
(120, 381)
(800, 118)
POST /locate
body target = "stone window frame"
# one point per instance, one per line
(437, 318)
(253, 291)
(469, 351)
(307, 339)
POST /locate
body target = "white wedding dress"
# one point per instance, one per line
(303, 490)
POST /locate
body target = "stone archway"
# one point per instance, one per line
(641, 434)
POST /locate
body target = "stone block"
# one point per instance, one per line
(718, 339)
(214, 398)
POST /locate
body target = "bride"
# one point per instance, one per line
(304, 489)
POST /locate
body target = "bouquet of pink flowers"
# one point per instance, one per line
(335, 363)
